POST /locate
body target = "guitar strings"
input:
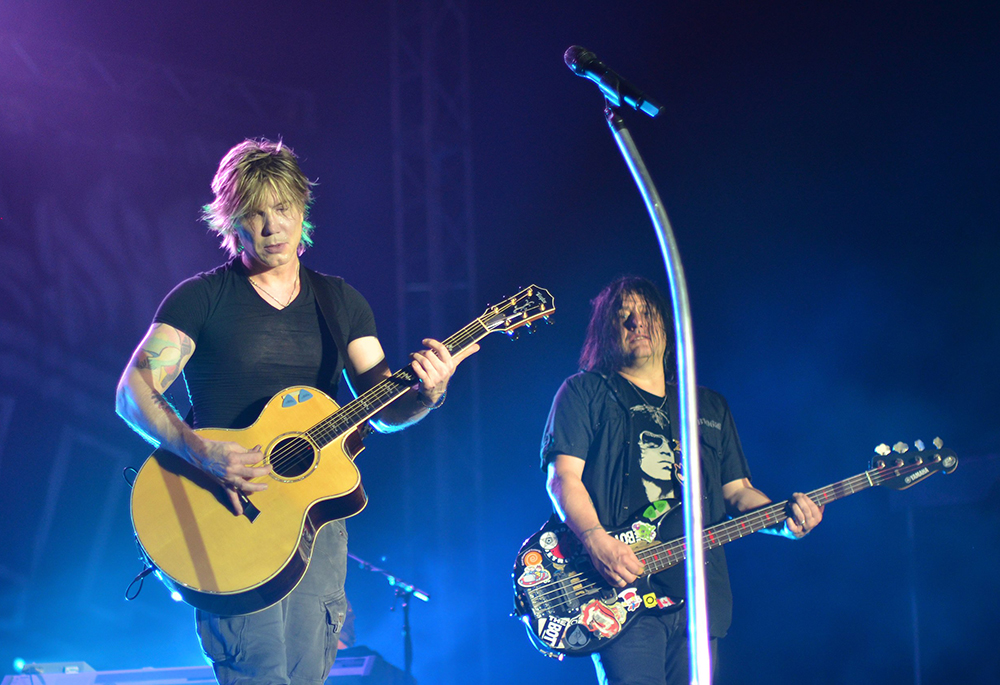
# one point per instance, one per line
(758, 520)
(367, 404)
(759, 517)
(354, 412)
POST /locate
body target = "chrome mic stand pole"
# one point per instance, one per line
(694, 562)
(617, 91)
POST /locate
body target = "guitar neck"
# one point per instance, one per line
(369, 403)
(662, 556)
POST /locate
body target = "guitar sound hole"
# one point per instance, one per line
(292, 457)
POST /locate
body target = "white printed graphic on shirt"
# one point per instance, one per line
(660, 466)
(659, 457)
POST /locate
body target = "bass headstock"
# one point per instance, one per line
(529, 305)
(899, 467)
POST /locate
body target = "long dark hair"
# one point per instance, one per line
(602, 349)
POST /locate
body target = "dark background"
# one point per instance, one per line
(831, 173)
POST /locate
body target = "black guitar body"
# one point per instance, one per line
(565, 604)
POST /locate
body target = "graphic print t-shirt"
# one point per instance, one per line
(657, 475)
(654, 453)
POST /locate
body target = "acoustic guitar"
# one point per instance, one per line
(229, 564)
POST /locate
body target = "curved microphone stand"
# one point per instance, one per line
(701, 669)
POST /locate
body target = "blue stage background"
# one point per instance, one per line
(831, 173)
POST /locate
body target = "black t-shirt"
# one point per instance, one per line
(246, 351)
(591, 419)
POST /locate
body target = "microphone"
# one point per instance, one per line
(616, 89)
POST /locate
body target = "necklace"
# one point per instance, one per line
(643, 397)
(280, 303)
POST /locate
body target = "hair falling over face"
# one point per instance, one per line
(602, 348)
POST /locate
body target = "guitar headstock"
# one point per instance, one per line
(529, 305)
(899, 467)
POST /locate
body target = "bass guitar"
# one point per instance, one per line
(570, 610)
(229, 564)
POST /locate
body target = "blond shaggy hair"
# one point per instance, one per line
(247, 175)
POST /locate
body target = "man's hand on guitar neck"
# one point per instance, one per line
(803, 516)
(803, 513)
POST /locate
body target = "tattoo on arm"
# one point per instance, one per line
(165, 354)
(162, 402)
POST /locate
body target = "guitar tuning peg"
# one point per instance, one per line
(919, 444)
(938, 442)
(900, 448)
(882, 450)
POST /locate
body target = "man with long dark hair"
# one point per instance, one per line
(611, 449)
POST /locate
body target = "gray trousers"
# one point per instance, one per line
(293, 642)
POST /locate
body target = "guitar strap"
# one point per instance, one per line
(673, 412)
(330, 301)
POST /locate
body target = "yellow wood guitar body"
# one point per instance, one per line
(230, 564)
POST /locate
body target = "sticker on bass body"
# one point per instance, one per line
(644, 531)
(577, 637)
(534, 575)
(564, 549)
(551, 630)
(630, 598)
(600, 619)
(532, 558)
(548, 540)
(555, 555)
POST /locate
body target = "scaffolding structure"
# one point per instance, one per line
(434, 234)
